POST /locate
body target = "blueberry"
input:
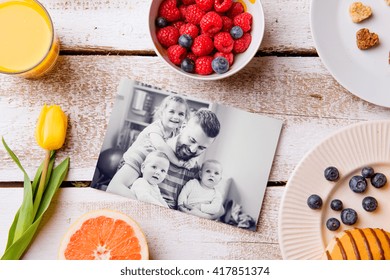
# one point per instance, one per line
(333, 224)
(358, 184)
(349, 216)
(314, 201)
(188, 65)
(220, 65)
(336, 204)
(185, 41)
(367, 172)
(331, 173)
(161, 22)
(369, 204)
(236, 32)
(378, 180)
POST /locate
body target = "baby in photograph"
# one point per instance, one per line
(154, 170)
(200, 197)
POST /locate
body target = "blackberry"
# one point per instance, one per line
(236, 32)
(220, 65)
(188, 65)
(185, 41)
(161, 22)
(358, 184)
(331, 173)
(333, 224)
(378, 180)
(314, 201)
(367, 172)
(349, 216)
(369, 204)
(336, 204)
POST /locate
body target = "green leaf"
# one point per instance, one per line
(25, 217)
(57, 177)
(16, 250)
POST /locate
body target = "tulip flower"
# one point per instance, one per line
(51, 128)
(50, 134)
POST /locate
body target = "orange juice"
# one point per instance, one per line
(29, 47)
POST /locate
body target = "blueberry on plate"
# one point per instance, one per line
(220, 65)
(331, 173)
(349, 216)
(336, 204)
(188, 65)
(161, 22)
(236, 32)
(358, 184)
(314, 201)
(367, 172)
(185, 41)
(333, 224)
(369, 204)
(378, 180)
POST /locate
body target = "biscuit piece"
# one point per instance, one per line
(359, 12)
(365, 39)
(388, 2)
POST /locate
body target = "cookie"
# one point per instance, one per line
(388, 2)
(359, 12)
(365, 39)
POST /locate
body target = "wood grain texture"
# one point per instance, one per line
(298, 90)
(122, 26)
(192, 238)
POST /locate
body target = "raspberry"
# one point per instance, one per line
(178, 24)
(188, 2)
(223, 42)
(242, 44)
(205, 5)
(194, 14)
(176, 54)
(183, 11)
(202, 46)
(203, 65)
(244, 21)
(227, 23)
(236, 9)
(228, 56)
(191, 56)
(168, 36)
(211, 23)
(168, 10)
(190, 29)
(222, 6)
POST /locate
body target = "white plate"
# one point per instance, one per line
(302, 231)
(365, 74)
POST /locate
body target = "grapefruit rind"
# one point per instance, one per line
(110, 214)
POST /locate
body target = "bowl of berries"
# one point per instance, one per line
(206, 39)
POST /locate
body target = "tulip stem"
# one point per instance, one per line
(42, 183)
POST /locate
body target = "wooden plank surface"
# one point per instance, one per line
(298, 90)
(191, 237)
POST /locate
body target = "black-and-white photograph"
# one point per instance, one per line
(190, 155)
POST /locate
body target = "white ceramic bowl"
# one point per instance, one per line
(254, 7)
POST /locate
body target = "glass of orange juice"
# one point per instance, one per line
(29, 46)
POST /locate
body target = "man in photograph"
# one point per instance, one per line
(198, 134)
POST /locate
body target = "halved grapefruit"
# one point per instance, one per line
(104, 235)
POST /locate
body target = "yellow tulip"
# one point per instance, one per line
(51, 128)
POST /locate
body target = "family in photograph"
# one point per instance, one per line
(161, 166)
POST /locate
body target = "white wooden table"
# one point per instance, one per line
(101, 41)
